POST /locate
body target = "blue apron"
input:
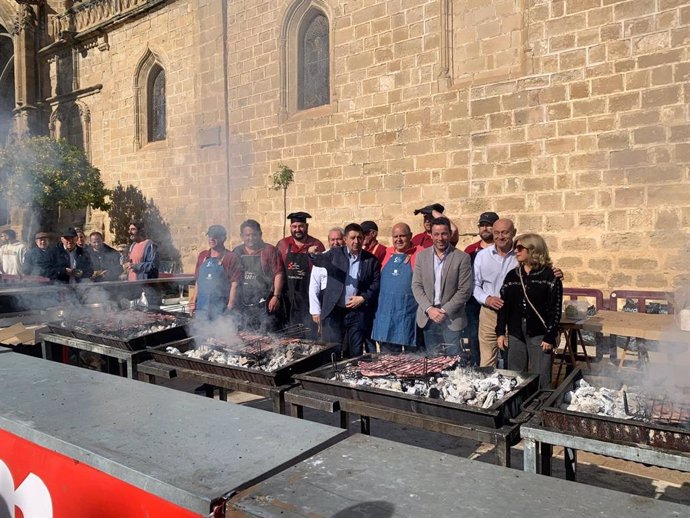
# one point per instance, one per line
(213, 287)
(396, 313)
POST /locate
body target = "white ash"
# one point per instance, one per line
(273, 360)
(460, 385)
(602, 401)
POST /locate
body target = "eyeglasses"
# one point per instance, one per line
(520, 248)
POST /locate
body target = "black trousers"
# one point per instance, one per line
(348, 328)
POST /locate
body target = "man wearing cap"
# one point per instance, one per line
(294, 252)
(105, 259)
(68, 262)
(261, 287)
(431, 212)
(12, 253)
(37, 260)
(217, 273)
(371, 245)
(442, 284)
(472, 308)
(351, 294)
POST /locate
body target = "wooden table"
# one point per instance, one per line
(661, 328)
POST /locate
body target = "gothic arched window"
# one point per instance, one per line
(306, 59)
(313, 61)
(156, 105)
(75, 128)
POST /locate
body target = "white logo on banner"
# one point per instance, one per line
(32, 496)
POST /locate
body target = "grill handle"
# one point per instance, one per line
(531, 406)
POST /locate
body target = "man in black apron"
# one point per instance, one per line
(293, 250)
(261, 287)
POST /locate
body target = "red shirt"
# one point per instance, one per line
(288, 244)
(412, 252)
(377, 249)
(422, 240)
(271, 263)
(474, 249)
(231, 264)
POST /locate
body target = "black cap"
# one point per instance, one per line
(70, 232)
(300, 217)
(368, 226)
(429, 209)
(217, 231)
(488, 217)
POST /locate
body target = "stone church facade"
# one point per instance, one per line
(569, 116)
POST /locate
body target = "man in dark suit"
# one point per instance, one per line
(351, 294)
(442, 284)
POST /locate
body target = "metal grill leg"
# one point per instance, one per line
(529, 462)
(546, 455)
(365, 424)
(503, 452)
(570, 459)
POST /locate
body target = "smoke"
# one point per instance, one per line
(223, 328)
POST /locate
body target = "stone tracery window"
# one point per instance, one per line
(313, 85)
(306, 64)
(7, 100)
(156, 105)
(150, 100)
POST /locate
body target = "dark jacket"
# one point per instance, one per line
(60, 261)
(107, 259)
(37, 262)
(337, 264)
(545, 292)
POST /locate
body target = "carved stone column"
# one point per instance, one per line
(27, 116)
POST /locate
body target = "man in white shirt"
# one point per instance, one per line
(491, 266)
(319, 276)
(12, 253)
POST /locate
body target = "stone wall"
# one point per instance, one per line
(569, 116)
(185, 175)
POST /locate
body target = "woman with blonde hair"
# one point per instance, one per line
(527, 325)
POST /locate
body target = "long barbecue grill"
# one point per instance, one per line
(255, 351)
(119, 334)
(266, 383)
(131, 330)
(655, 429)
(325, 389)
(498, 414)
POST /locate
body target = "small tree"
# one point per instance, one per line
(43, 174)
(282, 179)
(129, 204)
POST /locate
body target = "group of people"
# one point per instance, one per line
(76, 258)
(502, 294)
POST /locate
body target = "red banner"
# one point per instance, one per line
(38, 483)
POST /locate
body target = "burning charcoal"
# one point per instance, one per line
(434, 393)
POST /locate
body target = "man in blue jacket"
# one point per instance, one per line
(351, 294)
